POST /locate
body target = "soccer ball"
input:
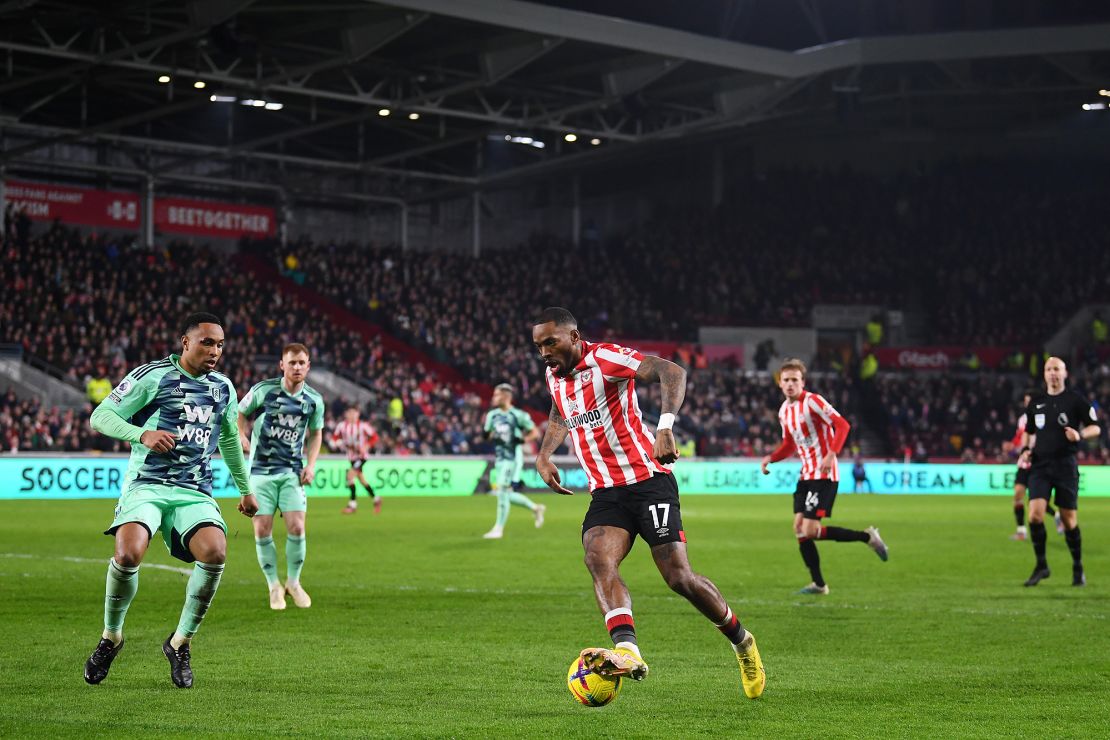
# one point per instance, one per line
(588, 687)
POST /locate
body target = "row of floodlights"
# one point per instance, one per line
(529, 141)
(1098, 106)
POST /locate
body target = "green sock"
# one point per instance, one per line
(120, 589)
(267, 558)
(519, 499)
(502, 508)
(294, 558)
(198, 597)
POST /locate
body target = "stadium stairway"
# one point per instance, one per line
(267, 273)
(28, 382)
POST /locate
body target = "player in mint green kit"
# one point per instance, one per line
(175, 413)
(509, 428)
(288, 416)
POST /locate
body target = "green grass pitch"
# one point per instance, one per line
(422, 628)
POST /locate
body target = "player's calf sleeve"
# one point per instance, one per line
(267, 558)
(621, 626)
(1038, 536)
(120, 588)
(502, 507)
(1019, 514)
(1075, 544)
(353, 491)
(519, 499)
(812, 559)
(198, 597)
(840, 534)
(731, 628)
(294, 557)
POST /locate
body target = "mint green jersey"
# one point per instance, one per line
(281, 423)
(507, 427)
(198, 410)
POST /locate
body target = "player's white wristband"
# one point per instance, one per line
(666, 421)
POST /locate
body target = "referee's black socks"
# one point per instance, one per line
(1037, 534)
(1075, 544)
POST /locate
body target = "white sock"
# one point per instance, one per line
(178, 640)
(115, 637)
(631, 646)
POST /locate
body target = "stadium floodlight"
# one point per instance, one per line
(595, 141)
(1094, 106)
(163, 79)
(274, 106)
(571, 138)
(538, 144)
(222, 98)
(384, 112)
(414, 116)
(199, 84)
(1104, 93)
(258, 103)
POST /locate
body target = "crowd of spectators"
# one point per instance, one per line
(92, 308)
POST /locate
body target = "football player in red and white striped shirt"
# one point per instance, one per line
(815, 430)
(593, 394)
(356, 438)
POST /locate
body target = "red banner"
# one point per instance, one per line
(42, 202)
(939, 358)
(212, 219)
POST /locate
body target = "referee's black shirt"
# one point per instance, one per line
(1046, 416)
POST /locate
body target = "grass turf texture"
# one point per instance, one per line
(421, 628)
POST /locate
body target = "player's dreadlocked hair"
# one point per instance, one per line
(193, 320)
(560, 316)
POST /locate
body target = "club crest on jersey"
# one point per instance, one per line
(216, 391)
(586, 375)
(306, 407)
(1038, 421)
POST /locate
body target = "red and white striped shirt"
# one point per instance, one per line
(356, 439)
(812, 428)
(598, 403)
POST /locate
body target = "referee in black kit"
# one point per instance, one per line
(1054, 424)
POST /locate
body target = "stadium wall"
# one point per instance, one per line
(45, 477)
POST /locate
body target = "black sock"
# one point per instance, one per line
(1075, 544)
(1037, 534)
(621, 626)
(352, 487)
(732, 629)
(1019, 514)
(812, 559)
(1050, 511)
(840, 534)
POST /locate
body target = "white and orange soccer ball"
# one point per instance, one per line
(588, 687)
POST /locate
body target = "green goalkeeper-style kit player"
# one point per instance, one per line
(509, 428)
(175, 412)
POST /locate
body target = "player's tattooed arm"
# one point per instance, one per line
(671, 379)
(556, 432)
(672, 385)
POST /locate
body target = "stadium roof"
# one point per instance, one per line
(406, 99)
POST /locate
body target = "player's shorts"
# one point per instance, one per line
(649, 508)
(1059, 475)
(501, 478)
(814, 499)
(279, 491)
(357, 464)
(178, 513)
(1022, 477)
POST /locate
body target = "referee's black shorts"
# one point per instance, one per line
(1061, 476)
